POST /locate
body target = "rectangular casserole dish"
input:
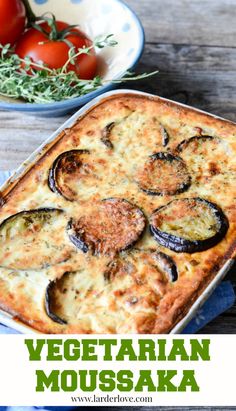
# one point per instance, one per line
(58, 275)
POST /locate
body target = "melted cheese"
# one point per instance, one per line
(138, 297)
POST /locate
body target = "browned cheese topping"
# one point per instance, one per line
(164, 174)
(111, 226)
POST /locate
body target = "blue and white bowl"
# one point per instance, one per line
(95, 18)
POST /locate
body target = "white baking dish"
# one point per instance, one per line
(17, 325)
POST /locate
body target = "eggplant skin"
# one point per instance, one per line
(32, 232)
(167, 264)
(75, 239)
(27, 213)
(181, 146)
(158, 260)
(48, 304)
(182, 245)
(112, 225)
(183, 178)
(165, 137)
(57, 165)
(105, 139)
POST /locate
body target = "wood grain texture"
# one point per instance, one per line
(204, 77)
(20, 135)
(201, 22)
(192, 43)
(163, 408)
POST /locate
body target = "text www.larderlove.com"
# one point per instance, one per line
(110, 399)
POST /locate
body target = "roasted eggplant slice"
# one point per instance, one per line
(189, 225)
(110, 226)
(51, 304)
(167, 265)
(133, 280)
(139, 278)
(106, 135)
(205, 156)
(196, 142)
(34, 239)
(72, 295)
(164, 174)
(70, 170)
(153, 261)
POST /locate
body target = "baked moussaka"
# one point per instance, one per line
(123, 220)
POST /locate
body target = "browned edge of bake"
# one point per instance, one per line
(231, 255)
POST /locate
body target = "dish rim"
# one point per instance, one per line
(8, 319)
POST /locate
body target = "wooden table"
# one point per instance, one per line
(192, 43)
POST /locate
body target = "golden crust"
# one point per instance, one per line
(136, 297)
(113, 225)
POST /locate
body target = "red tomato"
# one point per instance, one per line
(12, 20)
(54, 53)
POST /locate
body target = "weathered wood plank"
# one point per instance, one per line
(201, 22)
(204, 77)
(20, 135)
(221, 325)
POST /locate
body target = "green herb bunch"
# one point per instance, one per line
(37, 83)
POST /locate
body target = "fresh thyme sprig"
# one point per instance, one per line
(37, 83)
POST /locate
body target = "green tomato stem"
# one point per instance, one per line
(31, 17)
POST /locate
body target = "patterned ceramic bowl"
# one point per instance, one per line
(95, 18)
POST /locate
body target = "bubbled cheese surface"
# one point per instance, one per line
(124, 293)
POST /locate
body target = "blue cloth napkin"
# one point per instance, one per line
(221, 300)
